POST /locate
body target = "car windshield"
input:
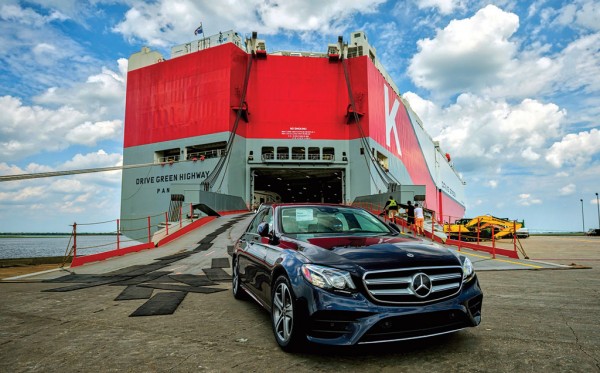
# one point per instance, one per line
(329, 219)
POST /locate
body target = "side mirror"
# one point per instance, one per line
(263, 229)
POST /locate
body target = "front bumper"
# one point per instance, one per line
(349, 319)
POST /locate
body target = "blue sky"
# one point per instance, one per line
(509, 88)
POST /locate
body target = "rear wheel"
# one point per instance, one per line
(284, 315)
(238, 292)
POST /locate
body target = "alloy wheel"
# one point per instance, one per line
(283, 312)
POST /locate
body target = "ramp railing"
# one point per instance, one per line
(145, 233)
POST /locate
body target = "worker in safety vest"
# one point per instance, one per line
(391, 206)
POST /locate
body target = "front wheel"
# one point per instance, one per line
(284, 315)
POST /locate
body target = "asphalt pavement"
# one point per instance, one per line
(535, 319)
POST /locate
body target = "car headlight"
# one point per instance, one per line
(327, 277)
(467, 268)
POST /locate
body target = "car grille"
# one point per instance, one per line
(403, 286)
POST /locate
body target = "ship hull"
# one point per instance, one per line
(296, 135)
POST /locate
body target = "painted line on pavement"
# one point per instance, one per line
(502, 260)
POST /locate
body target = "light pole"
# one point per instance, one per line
(598, 206)
(582, 217)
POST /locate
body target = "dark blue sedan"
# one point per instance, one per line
(338, 275)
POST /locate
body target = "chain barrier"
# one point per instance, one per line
(152, 225)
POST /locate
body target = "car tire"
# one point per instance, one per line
(236, 288)
(286, 317)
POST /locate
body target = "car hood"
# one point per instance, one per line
(375, 253)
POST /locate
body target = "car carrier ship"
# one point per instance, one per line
(224, 123)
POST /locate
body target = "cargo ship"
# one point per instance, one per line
(225, 123)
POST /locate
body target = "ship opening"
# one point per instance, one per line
(324, 185)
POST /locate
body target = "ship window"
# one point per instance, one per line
(283, 152)
(357, 35)
(351, 52)
(204, 151)
(268, 153)
(167, 155)
(328, 154)
(298, 153)
(314, 153)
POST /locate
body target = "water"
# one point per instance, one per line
(33, 247)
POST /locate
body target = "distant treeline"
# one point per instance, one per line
(50, 234)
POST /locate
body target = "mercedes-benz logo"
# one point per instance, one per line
(421, 285)
(410, 255)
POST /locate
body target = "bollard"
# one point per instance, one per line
(149, 234)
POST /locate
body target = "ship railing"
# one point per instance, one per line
(206, 154)
(168, 159)
(297, 157)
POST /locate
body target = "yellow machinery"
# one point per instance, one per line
(485, 224)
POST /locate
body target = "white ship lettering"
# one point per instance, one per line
(390, 119)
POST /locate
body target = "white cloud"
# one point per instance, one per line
(567, 190)
(467, 53)
(93, 160)
(68, 195)
(443, 6)
(574, 149)
(482, 55)
(27, 16)
(163, 23)
(583, 13)
(492, 183)
(100, 93)
(83, 115)
(90, 134)
(529, 154)
(27, 130)
(481, 132)
(526, 199)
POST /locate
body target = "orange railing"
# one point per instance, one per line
(155, 231)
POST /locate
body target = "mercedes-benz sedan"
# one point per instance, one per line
(338, 275)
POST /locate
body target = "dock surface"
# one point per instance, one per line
(171, 309)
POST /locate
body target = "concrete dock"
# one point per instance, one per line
(538, 315)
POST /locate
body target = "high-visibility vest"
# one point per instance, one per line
(392, 203)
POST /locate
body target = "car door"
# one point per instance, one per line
(251, 259)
